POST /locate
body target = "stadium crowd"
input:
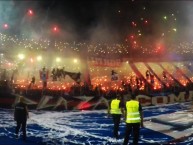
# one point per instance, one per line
(148, 84)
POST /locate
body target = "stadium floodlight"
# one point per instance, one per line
(174, 29)
(21, 56)
(75, 60)
(39, 58)
(58, 59)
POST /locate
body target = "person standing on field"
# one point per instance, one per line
(116, 111)
(20, 116)
(134, 120)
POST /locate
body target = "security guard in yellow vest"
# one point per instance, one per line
(116, 111)
(134, 119)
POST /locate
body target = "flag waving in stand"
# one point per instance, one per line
(74, 76)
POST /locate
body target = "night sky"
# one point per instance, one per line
(100, 20)
(116, 15)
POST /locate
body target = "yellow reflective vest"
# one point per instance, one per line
(133, 115)
(115, 107)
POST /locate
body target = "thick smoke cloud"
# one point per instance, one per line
(187, 22)
(7, 15)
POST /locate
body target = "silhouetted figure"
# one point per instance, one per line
(152, 78)
(32, 83)
(54, 76)
(63, 73)
(147, 74)
(114, 76)
(20, 116)
(164, 75)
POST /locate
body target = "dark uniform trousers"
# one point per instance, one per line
(116, 121)
(135, 127)
(23, 124)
